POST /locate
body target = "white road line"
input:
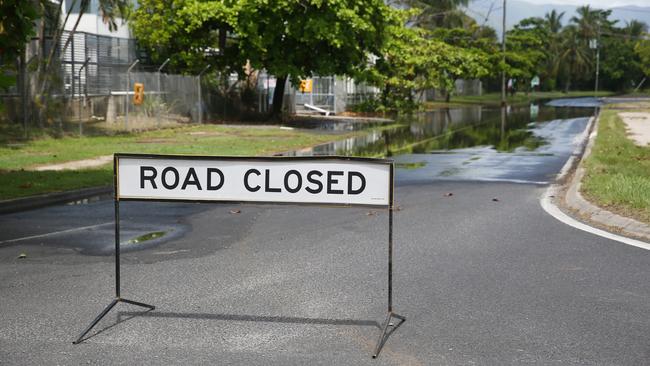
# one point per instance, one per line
(554, 211)
(55, 233)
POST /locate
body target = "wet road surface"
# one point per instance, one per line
(481, 281)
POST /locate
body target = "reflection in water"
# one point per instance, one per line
(453, 129)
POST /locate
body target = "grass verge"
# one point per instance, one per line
(16, 157)
(618, 171)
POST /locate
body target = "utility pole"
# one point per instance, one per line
(503, 55)
(84, 66)
(160, 99)
(128, 86)
(597, 60)
(199, 90)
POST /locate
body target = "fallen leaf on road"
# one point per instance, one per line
(235, 211)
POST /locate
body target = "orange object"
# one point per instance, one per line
(138, 93)
(306, 85)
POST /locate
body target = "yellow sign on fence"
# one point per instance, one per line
(306, 85)
(138, 93)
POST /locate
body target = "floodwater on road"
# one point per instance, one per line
(529, 145)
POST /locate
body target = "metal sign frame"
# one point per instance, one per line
(391, 314)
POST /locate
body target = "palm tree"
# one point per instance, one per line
(554, 21)
(635, 28)
(553, 25)
(576, 56)
(587, 22)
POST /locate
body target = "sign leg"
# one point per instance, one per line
(117, 281)
(383, 337)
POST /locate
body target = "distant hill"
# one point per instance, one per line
(520, 9)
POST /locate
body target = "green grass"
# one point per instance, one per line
(17, 156)
(618, 171)
(520, 97)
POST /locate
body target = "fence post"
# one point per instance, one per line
(80, 69)
(199, 86)
(128, 85)
(160, 91)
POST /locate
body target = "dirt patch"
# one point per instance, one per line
(638, 126)
(77, 164)
(156, 141)
(206, 134)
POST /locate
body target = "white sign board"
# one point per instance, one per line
(317, 180)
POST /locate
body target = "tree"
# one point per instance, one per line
(289, 39)
(16, 27)
(527, 52)
(440, 14)
(576, 55)
(474, 40)
(554, 21)
(553, 25)
(413, 61)
(642, 49)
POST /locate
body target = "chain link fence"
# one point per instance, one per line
(91, 82)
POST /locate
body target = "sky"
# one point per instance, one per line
(594, 3)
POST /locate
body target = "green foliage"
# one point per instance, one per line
(326, 37)
(642, 50)
(16, 26)
(185, 31)
(566, 55)
(284, 37)
(288, 39)
(619, 66)
(436, 14)
(524, 54)
(413, 60)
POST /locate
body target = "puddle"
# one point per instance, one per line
(145, 238)
(472, 143)
(441, 131)
(341, 125)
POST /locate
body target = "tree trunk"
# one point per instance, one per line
(55, 41)
(448, 96)
(278, 97)
(384, 95)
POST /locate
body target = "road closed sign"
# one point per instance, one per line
(303, 180)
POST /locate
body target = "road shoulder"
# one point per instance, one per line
(565, 196)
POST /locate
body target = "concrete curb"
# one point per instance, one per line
(575, 201)
(566, 193)
(32, 202)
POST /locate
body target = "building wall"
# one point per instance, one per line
(91, 21)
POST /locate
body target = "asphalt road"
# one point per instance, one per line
(481, 281)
